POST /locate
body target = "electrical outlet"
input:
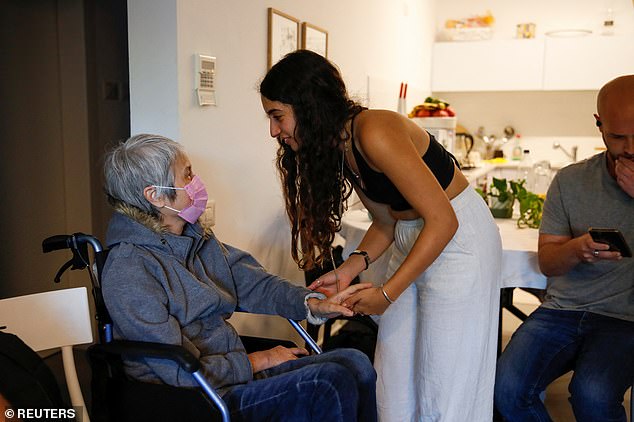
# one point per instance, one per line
(209, 216)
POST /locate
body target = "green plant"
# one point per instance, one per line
(500, 198)
(500, 190)
(531, 205)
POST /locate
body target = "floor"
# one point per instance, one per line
(557, 393)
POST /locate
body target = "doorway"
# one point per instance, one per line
(64, 90)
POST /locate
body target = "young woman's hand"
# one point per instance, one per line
(266, 359)
(368, 302)
(333, 306)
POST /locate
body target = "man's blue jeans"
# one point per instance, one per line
(337, 386)
(599, 349)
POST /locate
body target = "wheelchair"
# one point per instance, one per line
(115, 397)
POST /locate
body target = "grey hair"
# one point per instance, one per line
(141, 161)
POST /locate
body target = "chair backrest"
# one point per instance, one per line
(48, 320)
(59, 318)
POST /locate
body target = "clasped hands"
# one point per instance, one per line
(363, 299)
(342, 303)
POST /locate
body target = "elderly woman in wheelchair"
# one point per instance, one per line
(168, 279)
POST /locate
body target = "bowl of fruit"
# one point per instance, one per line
(432, 107)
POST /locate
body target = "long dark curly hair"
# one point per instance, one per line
(314, 187)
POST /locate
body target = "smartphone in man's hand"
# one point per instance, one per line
(613, 238)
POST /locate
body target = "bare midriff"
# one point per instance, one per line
(458, 184)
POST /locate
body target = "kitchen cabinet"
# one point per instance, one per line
(586, 63)
(541, 64)
(492, 65)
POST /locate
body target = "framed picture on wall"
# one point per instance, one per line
(315, 39)
(283, 35)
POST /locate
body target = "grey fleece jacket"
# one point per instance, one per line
(165, 288)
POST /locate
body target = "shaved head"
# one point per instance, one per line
(617, 96)
(615, 118)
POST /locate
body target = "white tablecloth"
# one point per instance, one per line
(519, 258)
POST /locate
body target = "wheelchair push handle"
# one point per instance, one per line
(78, 244)
(70, 241)
(81, 238)
(55, 243)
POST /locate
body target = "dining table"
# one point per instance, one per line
(519, 251)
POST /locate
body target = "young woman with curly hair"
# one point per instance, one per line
(435, 356)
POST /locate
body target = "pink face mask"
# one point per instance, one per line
(198, 194)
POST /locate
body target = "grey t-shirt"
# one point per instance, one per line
(581, 196)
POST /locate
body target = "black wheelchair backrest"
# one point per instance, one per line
(81, 259)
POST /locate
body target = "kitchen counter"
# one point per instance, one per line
(488, 166)
(474, 174)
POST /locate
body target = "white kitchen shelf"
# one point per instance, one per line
(551, 64)
(586, 63)
(494, 65)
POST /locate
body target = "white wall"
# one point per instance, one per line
(375, 43)
(153, 67)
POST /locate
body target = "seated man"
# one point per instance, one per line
(169, 280)
(586, 323)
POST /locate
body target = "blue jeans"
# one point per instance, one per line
(599, 349)
(338, 386)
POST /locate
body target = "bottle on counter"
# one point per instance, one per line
(525, 170)
(516, 155)
(542, 176)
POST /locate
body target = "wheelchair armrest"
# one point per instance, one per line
(175, 353)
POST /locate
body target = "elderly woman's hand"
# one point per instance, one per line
(332, 306)
(266, 359)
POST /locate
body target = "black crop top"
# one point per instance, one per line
(380, 189)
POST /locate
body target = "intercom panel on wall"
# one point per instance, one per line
(206, 79)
